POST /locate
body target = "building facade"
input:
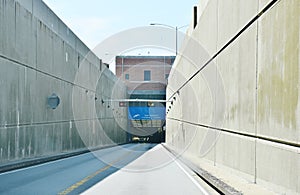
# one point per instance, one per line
(146, 78)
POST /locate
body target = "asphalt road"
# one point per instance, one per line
(72, 175)
(157, 172)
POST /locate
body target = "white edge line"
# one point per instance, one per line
(189, 176)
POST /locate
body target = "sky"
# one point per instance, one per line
(96, 20)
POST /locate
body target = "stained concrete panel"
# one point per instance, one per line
(8, 31)
(36, 62)
(237, 66)
(25, 36)
(278, 73)
(259, 72)
(233, 15)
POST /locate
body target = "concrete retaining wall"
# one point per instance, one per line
(39, 56)
(241, 111)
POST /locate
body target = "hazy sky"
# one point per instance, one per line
(95, 20)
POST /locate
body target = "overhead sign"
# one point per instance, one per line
(146, 113)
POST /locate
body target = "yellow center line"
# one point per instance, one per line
(86, 179)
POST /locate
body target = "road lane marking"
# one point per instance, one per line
(80, 183)
(86, 179)
(188, 174)
(192, 179)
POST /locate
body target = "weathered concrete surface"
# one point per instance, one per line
(242, 111)
(40, 55)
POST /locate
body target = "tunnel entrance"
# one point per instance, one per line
(146, 80)
(147, 118)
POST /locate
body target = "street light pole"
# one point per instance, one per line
(122, 75)
(176, 32)
(176, 29)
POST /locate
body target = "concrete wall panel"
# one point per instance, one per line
(40, 56)
(8, 31)
(237, 67)
(236, 153)
(27, 4)
(278, 73)
(233, 15)
(207, 27)
(271, 159)
(248, 96)
(25, 36)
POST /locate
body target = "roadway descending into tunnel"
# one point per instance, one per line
(141, 168)
(71, 175)
(156, 172)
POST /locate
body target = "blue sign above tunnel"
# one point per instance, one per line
(146, 113)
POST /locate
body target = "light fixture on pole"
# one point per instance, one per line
(176, 28)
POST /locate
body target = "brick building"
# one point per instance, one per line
(144, 74)
(146, 78)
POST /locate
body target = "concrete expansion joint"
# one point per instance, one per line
(216, 183)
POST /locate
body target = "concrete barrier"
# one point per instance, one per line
(40, 56)
(241, 112)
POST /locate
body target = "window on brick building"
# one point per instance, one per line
(166, 76)
(126, 76)
(147, 75)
